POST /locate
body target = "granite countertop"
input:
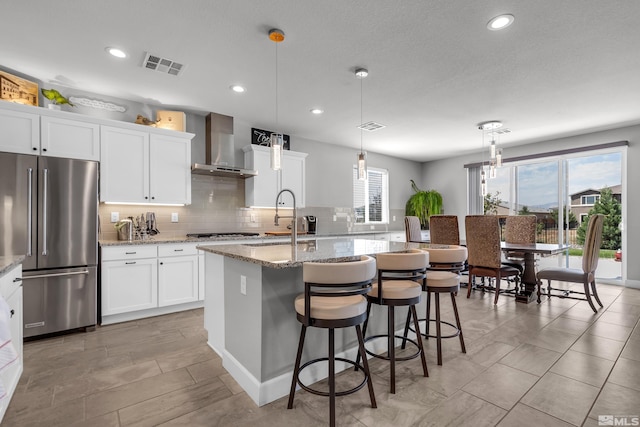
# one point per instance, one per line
(8, 262)
(157, 240)
(281, 255)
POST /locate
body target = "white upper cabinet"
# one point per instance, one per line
(69, 138)
(139, 167)
(124, 168)
(33, 130)
(261, 190)
(19, 132)
(170, 169)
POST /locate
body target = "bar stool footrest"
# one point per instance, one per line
(442, 322)
(338, 393)
(400, 337)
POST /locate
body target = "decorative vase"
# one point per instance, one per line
(54, 107)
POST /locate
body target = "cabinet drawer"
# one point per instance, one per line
(177, 249)
(129, 252)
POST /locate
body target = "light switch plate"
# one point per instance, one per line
(174, 217)
(115, 216)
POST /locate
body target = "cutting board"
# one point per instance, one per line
(281, 233)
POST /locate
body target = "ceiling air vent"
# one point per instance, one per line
(371, 126)
(163, 65)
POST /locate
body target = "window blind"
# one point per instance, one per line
(371, 197)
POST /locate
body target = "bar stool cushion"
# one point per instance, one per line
(397, 289)
(442, 279)
(331, 308)
(340, 272)
(442, 254)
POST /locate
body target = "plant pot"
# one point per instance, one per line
(54, 107)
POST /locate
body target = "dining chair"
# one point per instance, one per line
(519, 229)
(443, 229)
(586, 275)
(412, 229)
(484, 253)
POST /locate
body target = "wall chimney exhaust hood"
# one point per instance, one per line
(220, 150)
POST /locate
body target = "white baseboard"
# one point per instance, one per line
(632, 284)
(275, 388)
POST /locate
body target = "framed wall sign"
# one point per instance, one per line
(18, 90)
(262, 137)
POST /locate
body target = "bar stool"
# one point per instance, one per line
(400, 281)
(440, 281)
(333, 298)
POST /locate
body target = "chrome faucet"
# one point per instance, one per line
(293, 216)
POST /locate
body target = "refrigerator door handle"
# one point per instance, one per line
(41, 276)
(45, 174)
(29, 211)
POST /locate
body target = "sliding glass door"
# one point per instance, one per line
(562, 192)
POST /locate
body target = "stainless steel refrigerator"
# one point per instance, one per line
(49, 214)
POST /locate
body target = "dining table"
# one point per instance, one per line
(527, 292)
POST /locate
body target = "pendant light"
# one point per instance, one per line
(495, 153)
(276, 139)
(361, 73)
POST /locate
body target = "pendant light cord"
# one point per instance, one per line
(277, 125)
(361, 115)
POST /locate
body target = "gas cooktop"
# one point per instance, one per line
(223, 234)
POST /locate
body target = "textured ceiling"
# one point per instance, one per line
(435, 71)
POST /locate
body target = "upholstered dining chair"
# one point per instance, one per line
(586, 275)
(443, 229)
(412, 229)
(484, 253)
(520, 229)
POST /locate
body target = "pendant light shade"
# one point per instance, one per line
(276, 151)
(361, 73)
(362, 166)
(276, 139)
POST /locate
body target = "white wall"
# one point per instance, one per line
(450, 178)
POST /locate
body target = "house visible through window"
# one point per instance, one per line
(371, 197)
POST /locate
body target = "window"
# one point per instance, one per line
(589, 200)
(371, 197)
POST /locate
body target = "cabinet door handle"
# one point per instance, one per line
(12, 312)
(17, 279)
(130, 253)
(130, 262)
(178, 250)
(162, 263)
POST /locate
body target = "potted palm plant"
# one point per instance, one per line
(423, 204)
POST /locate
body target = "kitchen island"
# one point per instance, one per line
(249, 312)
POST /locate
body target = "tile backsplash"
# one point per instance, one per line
(217, 205)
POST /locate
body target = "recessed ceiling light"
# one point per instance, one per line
(238, 88)
(116, 52)
(317, 111)
(500, 22)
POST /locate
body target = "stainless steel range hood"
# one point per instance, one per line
(220, 150)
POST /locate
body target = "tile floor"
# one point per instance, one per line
(553, 364)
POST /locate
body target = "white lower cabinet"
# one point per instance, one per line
(146, 280)
(11, 291)
(177, 274)
(129, 285)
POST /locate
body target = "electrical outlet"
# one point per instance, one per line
(253, 217)
(373, 227)
(394, 218)
(174, 217)
(115, 216)
(243, 285)
(335, 218)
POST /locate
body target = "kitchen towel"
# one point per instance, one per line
(8, 354)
